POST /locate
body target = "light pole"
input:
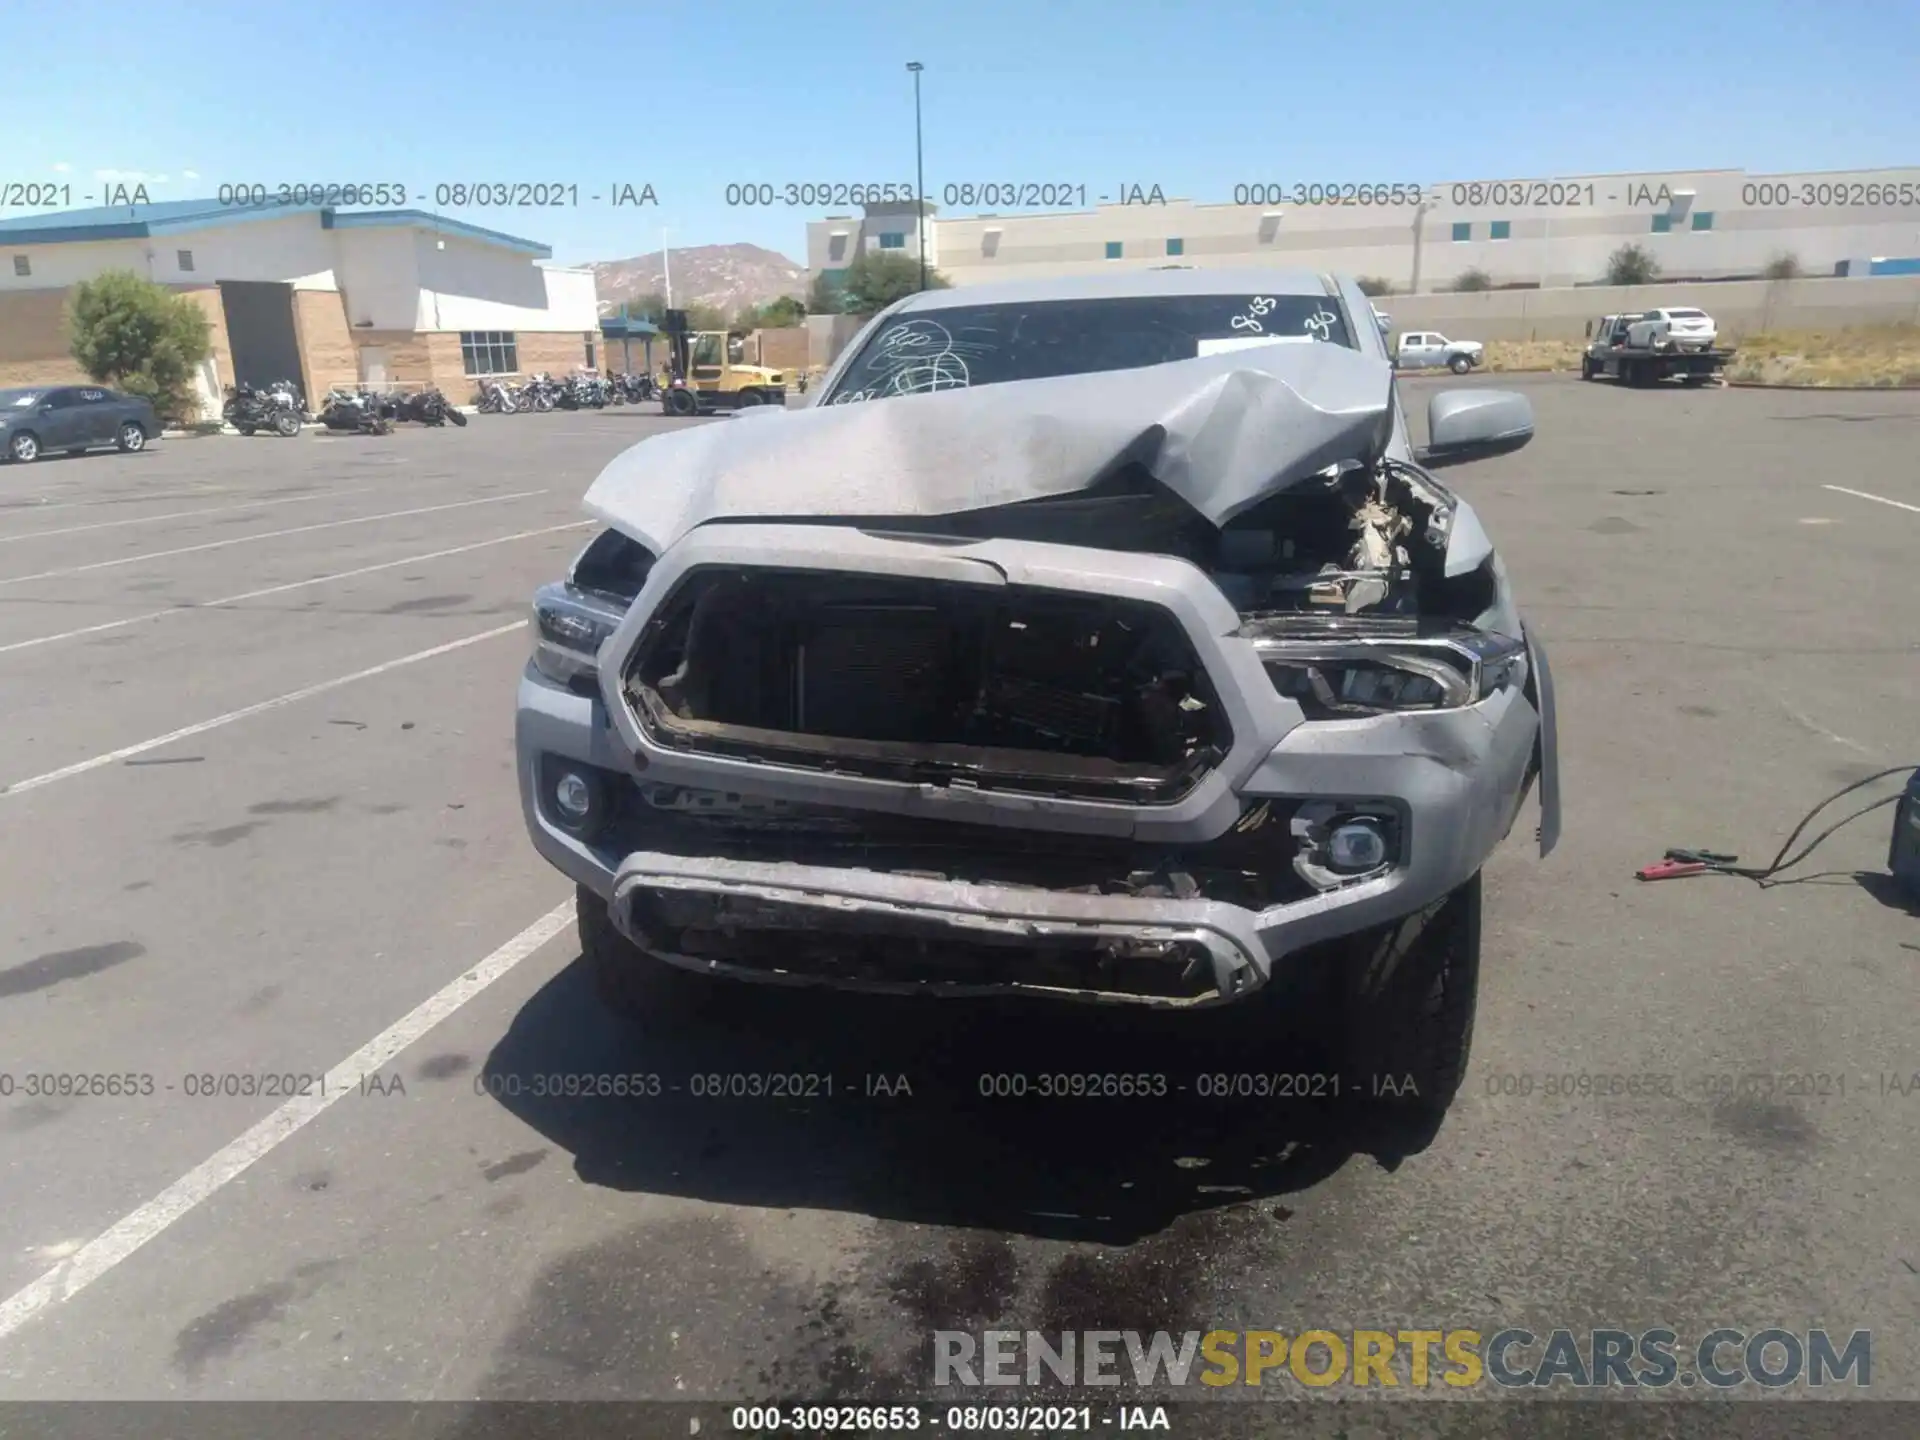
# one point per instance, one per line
(666, 264)
(919, 174)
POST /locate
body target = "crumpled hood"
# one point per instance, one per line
(1223, 432)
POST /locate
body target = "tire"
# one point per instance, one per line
(23, 447)
(1586, 367)
(1410, 1002)
(1460, 364)
(286, 424)
(751, 398)
(628, 981)
(244, 429)
(680, 402)
(457, 418)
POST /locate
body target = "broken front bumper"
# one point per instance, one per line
(1456, 778)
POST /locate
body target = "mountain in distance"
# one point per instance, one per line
(725, 276)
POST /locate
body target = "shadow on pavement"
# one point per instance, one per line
(882, 1107)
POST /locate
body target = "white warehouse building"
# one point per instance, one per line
(1696, 224)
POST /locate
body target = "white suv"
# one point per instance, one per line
(1673, 330)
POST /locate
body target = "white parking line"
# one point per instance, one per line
(137, 1227)
(1863, 495)
(282, 589)
(112, 757)
(265, 535)
(187, 514)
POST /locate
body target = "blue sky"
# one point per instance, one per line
(1194, 97)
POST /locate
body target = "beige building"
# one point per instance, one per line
(1697, 224)
(307, 293)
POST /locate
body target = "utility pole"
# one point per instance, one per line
(919, 174)
(666, 264)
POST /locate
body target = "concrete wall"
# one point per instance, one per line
(1740, 307)
(827, 336)
(377, 274)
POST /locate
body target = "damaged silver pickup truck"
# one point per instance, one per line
(1102, 639)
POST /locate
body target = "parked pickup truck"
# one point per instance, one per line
(1425, 349)
(1613, 350)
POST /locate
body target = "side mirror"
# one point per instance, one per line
(1466, 425)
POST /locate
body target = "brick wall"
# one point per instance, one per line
(784, 349)
(408, 355)
(558, 352)
(33, 339)
(207, 297)
(328, 355)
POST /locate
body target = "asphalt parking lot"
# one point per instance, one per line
(260, 820)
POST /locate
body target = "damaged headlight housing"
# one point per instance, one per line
(1344, 679)
(570, 626)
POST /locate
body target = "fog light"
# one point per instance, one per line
(573, 796)
(577, 799)
(1356, 846)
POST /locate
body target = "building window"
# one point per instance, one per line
(22, 265)
(184, 258)
(989, 244)
(1703, 220)
(1662, 224)
(1113, 250)
(893, 240)
(1463, 230)
(489, 352)
(590, 364)
(1500, 230)
(1176, 247)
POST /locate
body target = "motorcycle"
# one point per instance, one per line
(248, 410)
(496, 399)
(542, 393)
(287, 394)
(354, 412)
(428, 407)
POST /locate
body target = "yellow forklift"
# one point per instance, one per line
(707, 371)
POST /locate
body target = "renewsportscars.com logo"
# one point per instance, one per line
(1720, 1359)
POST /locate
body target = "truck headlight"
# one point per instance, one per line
(569, 628)
(1332, 680)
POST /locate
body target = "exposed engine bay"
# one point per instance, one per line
(1056, 693)
(1067, 692)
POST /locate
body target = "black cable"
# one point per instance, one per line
(1762, 874)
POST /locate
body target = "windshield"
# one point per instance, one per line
(706, 350)
(19, 397)
(969, 345)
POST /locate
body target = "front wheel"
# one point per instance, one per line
(1411, 993)
(23, 449)
(456, 417)
(1460, 364)
(1586, 367)
(631, 983)
(286, 424)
